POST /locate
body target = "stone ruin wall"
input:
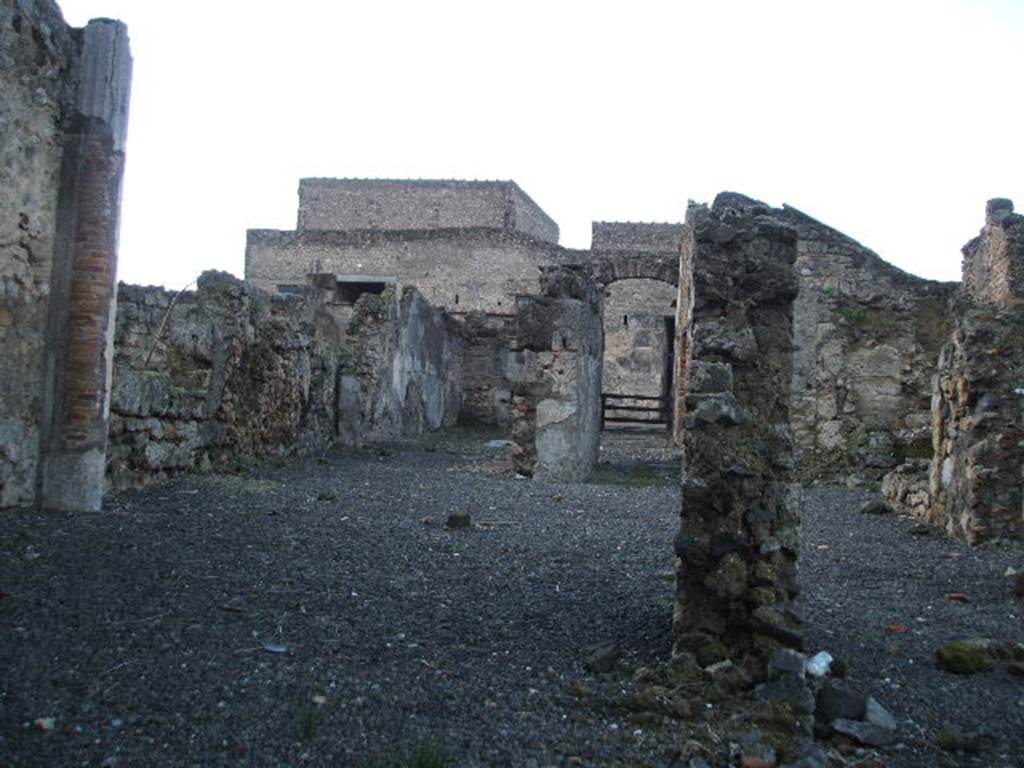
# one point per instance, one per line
(402, 371)
(554, 370)
(62, 130)
(976, 483)
(480, 270)
(35, 101)
(738, 542)
(218, 374)
(486, 392)
(227, 373)
(397, 204)
(867, 336)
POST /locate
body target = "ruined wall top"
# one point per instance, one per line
(993, 265)
(636, 236)
(406, 204)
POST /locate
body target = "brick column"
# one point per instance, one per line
(739, 534)
(84, 287)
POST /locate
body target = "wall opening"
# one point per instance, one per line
(638, 354)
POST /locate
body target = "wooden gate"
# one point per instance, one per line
(636, 410)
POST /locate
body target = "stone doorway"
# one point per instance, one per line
(637, 368)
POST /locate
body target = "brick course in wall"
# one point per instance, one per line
(63, 117)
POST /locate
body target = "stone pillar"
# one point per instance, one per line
(80, 325)
(739, 535)
(554, 372)
(993, 264)
(977, 471)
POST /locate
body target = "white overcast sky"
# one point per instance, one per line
(892, 120)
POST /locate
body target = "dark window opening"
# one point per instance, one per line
(290, 289)
(348, 292)
(625, 321)
(456, 298)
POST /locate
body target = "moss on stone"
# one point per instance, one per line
(964, 657)
(458, 521)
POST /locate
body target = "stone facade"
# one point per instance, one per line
(403, 204)
(63, 116)
(977, 471)
(462, 270)
(867, 336)
(555, 375)
(739, 536)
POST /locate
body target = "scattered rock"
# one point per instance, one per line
(964, 657)
(786, 661)
(819, 664)
(706, 649)
(45, 723)
(837, 702)
(957, 597)
(275, 648)
(1016, 668)
(602, 658)
(876, 714)
(458, 521)
(327, 495)
(875, 506)
(863, 732)
(790, 690)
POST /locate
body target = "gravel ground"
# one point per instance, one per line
(875, 594)
(318, 612)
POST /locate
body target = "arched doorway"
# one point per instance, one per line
(637, 369)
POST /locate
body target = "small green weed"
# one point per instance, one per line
(950, 739)
(424, 754)
(665, 603)
(309, 723)
(634, 476)
(853, 313)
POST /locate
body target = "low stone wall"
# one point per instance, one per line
(229, 372)
(402, 372)
(739, 531)
(555, 376)
(218, 374)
